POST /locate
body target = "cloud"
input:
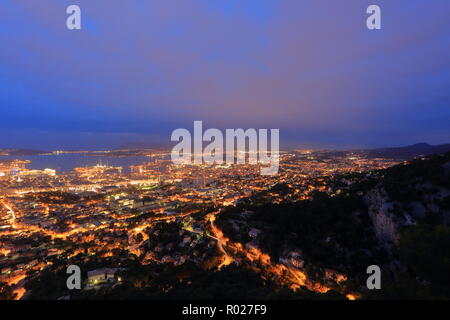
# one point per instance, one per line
(310, 68)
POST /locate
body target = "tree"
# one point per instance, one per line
(6, 292)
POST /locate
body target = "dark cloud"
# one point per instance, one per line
(140, 69)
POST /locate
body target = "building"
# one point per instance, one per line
(97, 170)
(103, 275)
(12, 167)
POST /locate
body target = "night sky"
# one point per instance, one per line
(139, 69)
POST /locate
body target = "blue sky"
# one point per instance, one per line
(139, 69)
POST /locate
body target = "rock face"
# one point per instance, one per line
(385, 222)
(426, 197)
(446, 167)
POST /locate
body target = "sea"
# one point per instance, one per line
(67, 162)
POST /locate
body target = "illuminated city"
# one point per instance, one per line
(101, 211)
(221, 158)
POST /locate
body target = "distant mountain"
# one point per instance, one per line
(408, 152)
(142, 145)
(20, 152)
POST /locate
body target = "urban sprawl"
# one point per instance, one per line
(106, 211)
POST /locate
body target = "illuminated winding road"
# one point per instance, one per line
(10, 211)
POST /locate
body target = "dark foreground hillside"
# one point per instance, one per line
(396, 218)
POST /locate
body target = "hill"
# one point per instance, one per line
(408, 152)
(397, 218)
